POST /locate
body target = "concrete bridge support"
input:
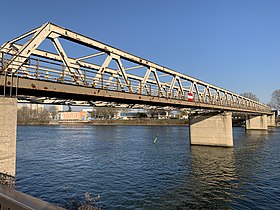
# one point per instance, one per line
(212, 129)
(8, 125)
(271, 120)
(256, 122)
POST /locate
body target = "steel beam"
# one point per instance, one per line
(29, 86)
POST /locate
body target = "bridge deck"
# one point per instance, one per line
(33, 87)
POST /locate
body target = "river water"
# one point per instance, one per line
(123, 166)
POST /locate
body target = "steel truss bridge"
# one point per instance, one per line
(38, 67)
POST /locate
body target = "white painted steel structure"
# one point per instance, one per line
(122, 76)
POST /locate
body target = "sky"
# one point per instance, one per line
(233, 44)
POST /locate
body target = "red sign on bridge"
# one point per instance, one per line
(190, 97)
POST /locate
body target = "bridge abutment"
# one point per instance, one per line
(211, 129)
(8, 126)
(256, 122)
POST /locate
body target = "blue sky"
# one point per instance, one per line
(234, 44)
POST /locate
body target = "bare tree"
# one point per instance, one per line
(26, 115)
(275, 99)
(53, 111)
(250, 95)
(44, 116)
(103, 113)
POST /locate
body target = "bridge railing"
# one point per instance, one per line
(11, 199)
(36, 67)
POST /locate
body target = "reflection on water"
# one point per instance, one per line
(213, 174)
(129, 171)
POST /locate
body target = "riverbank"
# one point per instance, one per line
(141, 122)
(115, 122)
(119, 122)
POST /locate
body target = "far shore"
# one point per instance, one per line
(115, 122)
(130, 122)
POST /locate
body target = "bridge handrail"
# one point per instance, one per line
(12, 199)
(39, 69)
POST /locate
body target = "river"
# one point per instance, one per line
(127, 170)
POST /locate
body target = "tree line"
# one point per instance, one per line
(274, 102)
(27, 115)
(111, 113)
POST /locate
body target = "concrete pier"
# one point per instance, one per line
(8, 126)
(212, 129)
(256, 122)
(271, 120)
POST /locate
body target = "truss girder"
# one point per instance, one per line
(144, 77)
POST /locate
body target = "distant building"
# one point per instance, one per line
(73, 116)
(127, 115)
(142, 113)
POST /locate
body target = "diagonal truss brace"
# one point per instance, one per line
(66, 61)
(26, 50)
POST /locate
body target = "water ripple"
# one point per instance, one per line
(129, 171)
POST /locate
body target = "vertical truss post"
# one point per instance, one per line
(17, 86)
(102, 81)
(37, 69)
(109, 81)
(12, 84)
(2, 61)
(226, 99)
(140, 88)
(63, 72)
(130, 86)
(5, 83)
(85, 77)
